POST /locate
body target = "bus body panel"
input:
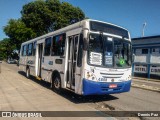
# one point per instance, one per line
(102, 88)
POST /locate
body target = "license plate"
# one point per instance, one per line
(112, 85)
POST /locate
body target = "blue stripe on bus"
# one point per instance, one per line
(102, 88)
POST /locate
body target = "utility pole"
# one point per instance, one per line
(144, 25)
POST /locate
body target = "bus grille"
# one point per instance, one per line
(112, 75)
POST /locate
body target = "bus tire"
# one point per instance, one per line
(28, 73)
(56, 83)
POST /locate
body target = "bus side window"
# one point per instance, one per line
(63, 44)
(80, 51)
(34, 48)
(30, 47)
(47, 46)
(58, 45)
(24, 50)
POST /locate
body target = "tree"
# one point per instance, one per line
(68, 15)
(49, 15)
(6, 48)
(18, 32)
(40, 17)
(37, 16)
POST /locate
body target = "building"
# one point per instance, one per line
(146, 53)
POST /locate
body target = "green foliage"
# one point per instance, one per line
(39, 17)
(49, 15)
(6, 48)
(18, 32)
(68, 14)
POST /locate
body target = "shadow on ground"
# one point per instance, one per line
(72, 96)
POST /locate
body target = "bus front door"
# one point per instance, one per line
(72, 60)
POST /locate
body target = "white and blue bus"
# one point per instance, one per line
(89, 57)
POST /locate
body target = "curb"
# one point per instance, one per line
(146, 79)
(146, 87)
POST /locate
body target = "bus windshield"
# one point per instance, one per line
(109, 52)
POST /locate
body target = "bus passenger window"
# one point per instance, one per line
(34, 48)
(47, 46)
(24, 50)
(58, 45)
(30, 47)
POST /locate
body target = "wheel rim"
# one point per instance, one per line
(57, 83)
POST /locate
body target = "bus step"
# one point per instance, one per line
(69, 89)
(38, 78)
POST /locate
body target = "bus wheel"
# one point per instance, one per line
(28, 73)
(56, 83)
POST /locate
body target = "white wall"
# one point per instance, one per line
(139, 57)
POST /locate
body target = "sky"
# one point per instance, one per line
(130, 14)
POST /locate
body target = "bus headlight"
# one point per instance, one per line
(129, 78)
(90, 76)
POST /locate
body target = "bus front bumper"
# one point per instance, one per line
(102, 88)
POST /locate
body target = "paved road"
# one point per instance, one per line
(19, 93)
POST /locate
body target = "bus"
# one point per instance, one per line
(89, 57)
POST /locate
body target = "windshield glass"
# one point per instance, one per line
(95, 49)
(122, 53)
(109, 52)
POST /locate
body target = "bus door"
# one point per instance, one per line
(73, 73)
(39, 52)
